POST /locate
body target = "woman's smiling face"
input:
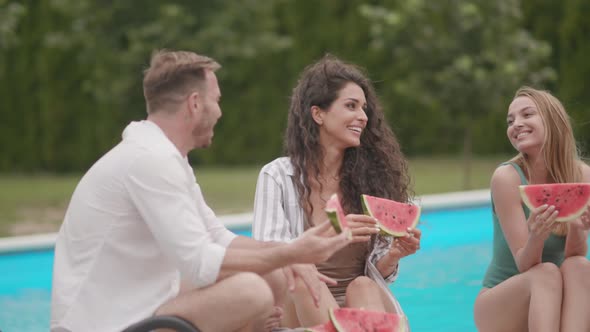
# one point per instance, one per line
(525, 130)
(345, 119)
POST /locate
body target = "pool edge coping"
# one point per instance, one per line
(242, 220)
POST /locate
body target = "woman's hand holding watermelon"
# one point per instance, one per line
(362, 227)
(405, 245)
(585, 219)
(541, 222)
(582, 223)
(577, 235)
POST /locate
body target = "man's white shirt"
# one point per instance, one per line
(137, 223)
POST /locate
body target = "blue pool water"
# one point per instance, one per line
(436, 287)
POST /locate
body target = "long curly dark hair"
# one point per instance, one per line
(377, 167)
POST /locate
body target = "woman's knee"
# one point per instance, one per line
(362, 284)
(575, 264)
(576, 268)
(547, 274)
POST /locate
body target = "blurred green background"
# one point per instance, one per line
(71, 71)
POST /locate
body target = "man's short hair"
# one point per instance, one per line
(172, 76)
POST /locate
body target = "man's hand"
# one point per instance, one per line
(318, 243)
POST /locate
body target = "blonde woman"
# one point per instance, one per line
(539, 276)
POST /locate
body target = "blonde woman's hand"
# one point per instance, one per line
(582, 223)
(362, 227)
(541, 221)
(406, 245)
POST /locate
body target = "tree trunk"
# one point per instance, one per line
(467, 157)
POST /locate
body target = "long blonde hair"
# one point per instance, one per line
(560, 153)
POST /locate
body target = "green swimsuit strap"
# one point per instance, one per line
(523, 179)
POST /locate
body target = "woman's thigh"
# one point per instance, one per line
(506, 306)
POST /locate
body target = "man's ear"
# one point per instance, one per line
(317, 114)
(194, 102)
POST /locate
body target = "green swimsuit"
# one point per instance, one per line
(503, 265)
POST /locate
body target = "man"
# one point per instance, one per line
(137, 225)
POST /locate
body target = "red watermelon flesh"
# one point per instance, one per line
(394, 218)
(336, 214)
(360, 320)
(570, 199)
(327, 327)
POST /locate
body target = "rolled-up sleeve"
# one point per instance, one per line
(160, 189)
(219, 233)
(270, 222)
(380, 249)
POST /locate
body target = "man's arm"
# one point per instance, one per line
(157, 186)
(316, 245)
(160, 190)
(244, 242)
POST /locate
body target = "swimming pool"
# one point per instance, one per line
(436, 287)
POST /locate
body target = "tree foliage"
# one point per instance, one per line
(462, 59)
(71, 70)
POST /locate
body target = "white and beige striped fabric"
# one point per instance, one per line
(279, 217)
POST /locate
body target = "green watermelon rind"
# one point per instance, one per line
(573, 216)
(335, 321)
(384, 230)
(334, 219)
(333, 215)
(311, 329)
(401, 327)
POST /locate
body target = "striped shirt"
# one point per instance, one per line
(279, 217)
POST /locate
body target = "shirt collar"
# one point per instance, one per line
(288, 167)
(147, 134)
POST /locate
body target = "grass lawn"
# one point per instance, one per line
(36, 204)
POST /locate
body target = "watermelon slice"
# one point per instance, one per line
(570, 199)
(336, 214)
(360, 320)
(328, 327)
(394, 218)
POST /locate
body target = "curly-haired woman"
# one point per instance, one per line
(337, 141)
